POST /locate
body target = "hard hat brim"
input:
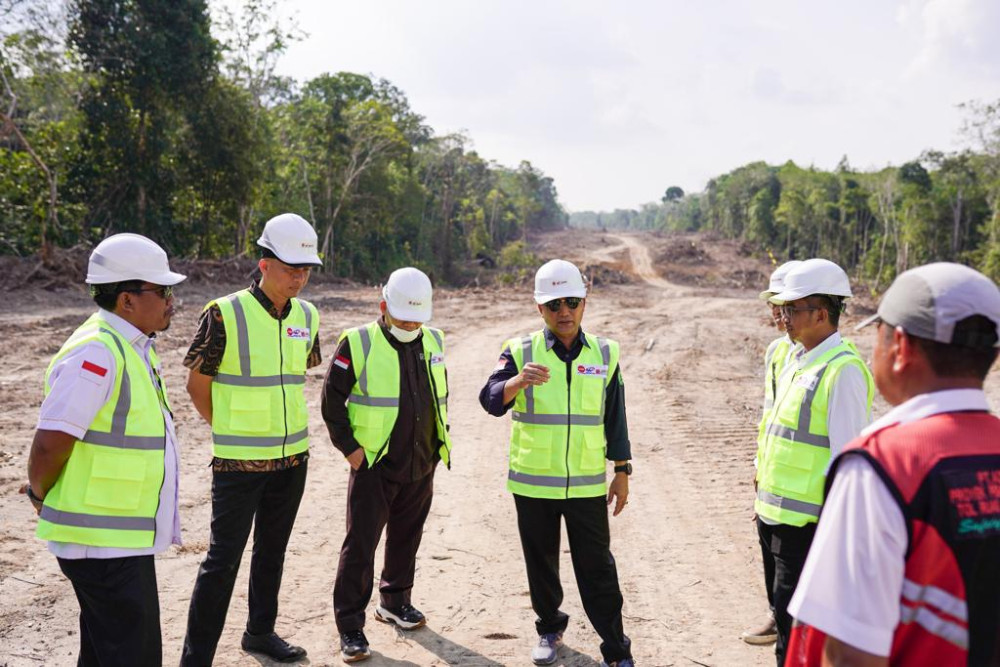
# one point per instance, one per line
(766, 295)
(867, 321)
(305, 259)
(409, 314)
(782, 298)
(541, 298)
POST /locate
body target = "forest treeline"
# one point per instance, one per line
(145, 116)
(940, 206)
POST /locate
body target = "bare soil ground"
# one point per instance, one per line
(693, 335)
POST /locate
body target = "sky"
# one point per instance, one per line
(619, 100)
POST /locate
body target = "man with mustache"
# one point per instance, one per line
(103, 464)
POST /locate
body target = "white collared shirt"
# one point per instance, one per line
(847, 409)
(853, 578)
(77, 395)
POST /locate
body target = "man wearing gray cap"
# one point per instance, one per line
(904, 566)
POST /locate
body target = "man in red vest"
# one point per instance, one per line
(905, 565)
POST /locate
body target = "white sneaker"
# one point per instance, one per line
(548, 647)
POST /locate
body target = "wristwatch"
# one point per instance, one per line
(627, 468)
(32, 497)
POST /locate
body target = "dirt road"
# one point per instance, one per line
(685, 547)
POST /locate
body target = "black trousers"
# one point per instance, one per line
(269, 501)
(784, 549)
(375, 503)
(119, 610)
(539, 522)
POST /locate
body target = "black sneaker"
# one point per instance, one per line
(354, 646)
(405, 616)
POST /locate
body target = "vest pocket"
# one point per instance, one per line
(793, 468)
(116, 481)
(534, 450)
(592, 454)
(249, 413)
(593, 392)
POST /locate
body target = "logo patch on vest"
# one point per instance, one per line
(295, 332)
(437, 359)
(342, 362)
(592, 370)
(807, 382)
(974, 500)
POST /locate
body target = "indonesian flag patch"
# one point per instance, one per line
(342, 362)
(94, 368)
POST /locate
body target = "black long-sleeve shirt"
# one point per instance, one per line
(615, 424)
(413, 443)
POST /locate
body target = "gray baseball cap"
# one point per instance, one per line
(929, 300)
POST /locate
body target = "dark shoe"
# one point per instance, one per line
(272, 646)
(624, 662)
(405, 616)
(354, 646)
(763, 635)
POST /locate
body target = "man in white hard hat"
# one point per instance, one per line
(775, 357)
(103, 464)
(823, 398)
(568, 398)
(906, 564)
(247, 373)
(385, 403)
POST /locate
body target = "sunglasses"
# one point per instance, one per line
(163, 291)
(571, 301)
(789, 311)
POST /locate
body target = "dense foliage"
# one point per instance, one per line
(134, 115)
(937, 207)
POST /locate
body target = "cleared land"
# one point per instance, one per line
(686, 549)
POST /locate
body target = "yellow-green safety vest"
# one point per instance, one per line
(108, 491)
(373, 404)
(557, 444)
(795, 451)
(258, 399)
(778, 353)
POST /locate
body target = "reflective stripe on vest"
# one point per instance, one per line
(373, 417)
(259, 409)
(792, 460)
(570, 441)
(108, 491)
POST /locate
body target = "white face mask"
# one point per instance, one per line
(402, 335)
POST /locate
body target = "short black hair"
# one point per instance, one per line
(961, 361)
(106, 295)
(833, 305)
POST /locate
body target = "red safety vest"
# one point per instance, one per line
(944, 472)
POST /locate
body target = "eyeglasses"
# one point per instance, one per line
(163, 291)
(571, 301)
(789, 311)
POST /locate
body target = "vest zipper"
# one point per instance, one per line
(281, 378)
(569, 419)
(437, 408)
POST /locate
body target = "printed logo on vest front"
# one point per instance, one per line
(295, 332)
(807, 382)
(974, 502)
(592, 369)
(437, 359)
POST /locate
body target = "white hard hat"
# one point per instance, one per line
(813, 276)
(124, 257)
(557, 279)
(291, 239)
(408, 295)
(777, 283)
